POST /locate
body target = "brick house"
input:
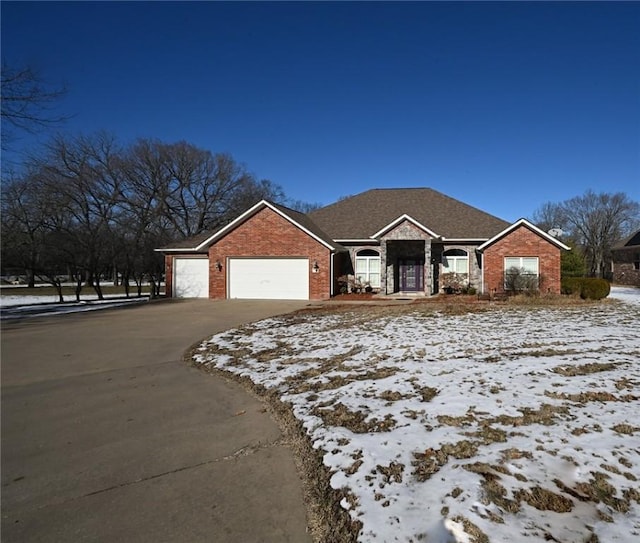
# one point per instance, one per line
(625, 265)
(409, 241)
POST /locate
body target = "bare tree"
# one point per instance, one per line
(302, 206)
(187, 189)
(595, 222)
(173, 191)
(204, 189)
(27, 102)
(95, 209)
(24, 223)
(549, 216)
(82, 173)
(31, 240)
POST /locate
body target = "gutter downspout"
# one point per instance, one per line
(331, 281)
(481, 273)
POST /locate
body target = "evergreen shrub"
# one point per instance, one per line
(589, 288)
(594, 288)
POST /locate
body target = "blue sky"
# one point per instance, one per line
(504, 106)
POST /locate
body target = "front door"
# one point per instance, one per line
(411, 275)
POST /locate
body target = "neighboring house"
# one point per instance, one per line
(626, 261)
(408, 241)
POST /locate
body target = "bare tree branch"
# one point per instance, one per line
(27, 102)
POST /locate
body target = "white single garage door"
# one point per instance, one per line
(269, 278)
(191, 277)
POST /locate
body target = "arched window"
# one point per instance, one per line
(368, 267)
(455, 261)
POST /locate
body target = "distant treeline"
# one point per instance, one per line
(88, 208)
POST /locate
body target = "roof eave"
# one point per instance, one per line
(399, 220)
(527, 224)
(463, 240)
(179, 250)
(356, 240)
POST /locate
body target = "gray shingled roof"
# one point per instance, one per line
(189, 243)
(362, 215)
(631, 241)
(304, 221)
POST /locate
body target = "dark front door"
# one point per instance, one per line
(411, 275)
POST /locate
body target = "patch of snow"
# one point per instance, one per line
(19, 307)
(629, 295)
(436, 425)
(16, 299)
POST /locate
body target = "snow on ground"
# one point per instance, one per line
(626, 294)
(14, 307)
(11, 300)
(500, 424)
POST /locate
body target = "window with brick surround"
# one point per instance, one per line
(368, 268)
(636, 261)
(521, 273)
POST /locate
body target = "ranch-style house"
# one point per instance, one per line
(413, 241)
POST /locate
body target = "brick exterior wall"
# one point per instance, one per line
(267, 234)
(522, 242)
(168, 275)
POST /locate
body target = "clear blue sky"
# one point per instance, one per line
(502, 105)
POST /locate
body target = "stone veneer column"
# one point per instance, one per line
(383, 267)
(428, 268)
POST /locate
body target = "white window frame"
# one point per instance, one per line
(522, 263)
(454, 259)
(368, 276)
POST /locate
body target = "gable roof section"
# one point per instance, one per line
(526, 224)
(361, 216)
(294, 217)
(400, 220)
(188, 245)
(632, 242)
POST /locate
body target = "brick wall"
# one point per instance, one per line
(267, 234)
(522, 242)
(168, 275)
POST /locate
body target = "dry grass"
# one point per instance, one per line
(545, 500)
(626, 429)
(476, 534)
(431, 460)
(584, 369)
(355, 421)
(591, 396)
(391, 473)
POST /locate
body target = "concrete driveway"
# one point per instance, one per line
(108, 436)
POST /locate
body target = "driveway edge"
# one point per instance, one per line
(327, 521)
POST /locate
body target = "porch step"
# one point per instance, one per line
(398, 295)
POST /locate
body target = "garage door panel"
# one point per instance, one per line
(191, 277)
(269, 278)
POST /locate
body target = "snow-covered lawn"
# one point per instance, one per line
(440, 423)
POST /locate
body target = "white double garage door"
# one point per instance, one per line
(247, 278)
